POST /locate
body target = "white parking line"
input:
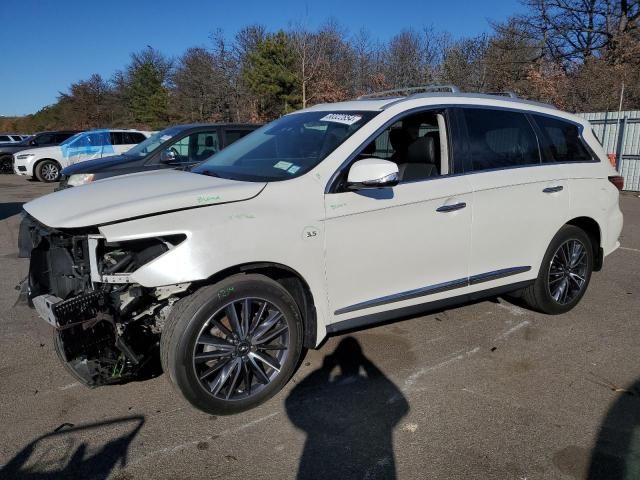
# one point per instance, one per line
(630, 249)
(453, 357)
(512, 330)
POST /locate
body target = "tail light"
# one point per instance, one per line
(618, 181)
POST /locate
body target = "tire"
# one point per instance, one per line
(244, 369)
(546, 294)
(48, 171)
(6, 164)
(58, 346)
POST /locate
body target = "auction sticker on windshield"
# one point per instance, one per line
(344, 118)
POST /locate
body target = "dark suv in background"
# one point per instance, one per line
(177, 147)
(43, 139)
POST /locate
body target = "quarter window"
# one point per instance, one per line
(500, 139)
(561, 141)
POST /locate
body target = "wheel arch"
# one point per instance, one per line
(592, 228)
(292, 281)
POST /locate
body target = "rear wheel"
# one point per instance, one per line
(564, 274)
(48, 171)
(231, 346)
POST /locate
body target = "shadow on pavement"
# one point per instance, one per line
(69, 453)
(348, 408)
(10, 209)
(616, 455)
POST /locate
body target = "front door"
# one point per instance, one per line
(406, 245)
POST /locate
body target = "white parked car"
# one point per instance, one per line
(46, 163)
(335, 217)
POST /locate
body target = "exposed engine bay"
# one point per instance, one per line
(107, 327)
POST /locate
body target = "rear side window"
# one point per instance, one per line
(117, 138)
(500, 139)
(561, 141)
(4, 138)
(235, 135)
(131, 138)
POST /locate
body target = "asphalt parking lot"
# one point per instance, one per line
(488, 390)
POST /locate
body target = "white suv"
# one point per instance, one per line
(331, 218)
(46, 163)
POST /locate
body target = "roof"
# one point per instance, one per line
(446, 98)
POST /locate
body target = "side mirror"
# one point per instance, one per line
(169, 155)
(33, 143)
(372, 173)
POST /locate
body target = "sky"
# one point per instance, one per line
(48, 44)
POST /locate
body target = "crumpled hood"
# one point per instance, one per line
(136, 195)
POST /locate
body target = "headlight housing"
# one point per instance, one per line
(26, 156)
(78, 179)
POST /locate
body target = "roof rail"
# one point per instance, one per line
(406, 91)
(506, 93)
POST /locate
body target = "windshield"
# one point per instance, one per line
(71, 138)
(285, 148)
(154, 141)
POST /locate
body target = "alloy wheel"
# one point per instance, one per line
(568, 272)
(241, 348)
(49, 172)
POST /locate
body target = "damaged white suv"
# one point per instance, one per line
(334, 217)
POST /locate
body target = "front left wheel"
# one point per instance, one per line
(48, 171)
(231, 346)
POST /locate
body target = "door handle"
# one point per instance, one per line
(559, 188)
(452, 207)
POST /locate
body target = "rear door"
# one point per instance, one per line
(519, 202)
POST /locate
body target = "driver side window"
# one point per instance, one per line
(416, 143)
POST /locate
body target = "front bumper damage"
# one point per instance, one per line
(107, 329)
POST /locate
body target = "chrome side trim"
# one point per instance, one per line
(437, 288)
(398, 297)
(496, 274)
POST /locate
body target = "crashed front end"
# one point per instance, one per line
(107, 327)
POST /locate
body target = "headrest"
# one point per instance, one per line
(208, 141)
(425, 149)
(399, 139)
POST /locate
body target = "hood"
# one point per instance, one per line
(92, 166)
(139, 194)
(53, 151)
